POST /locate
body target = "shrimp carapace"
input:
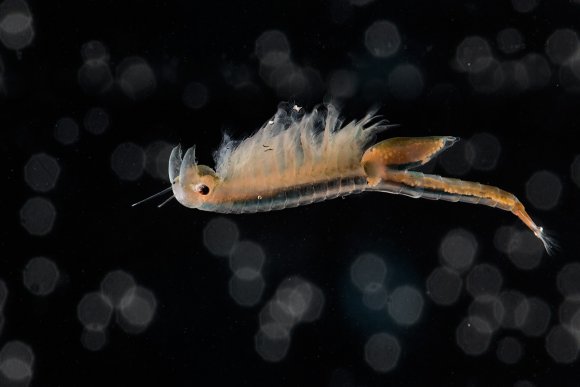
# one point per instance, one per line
(296, 159)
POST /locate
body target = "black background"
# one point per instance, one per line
(199, 335)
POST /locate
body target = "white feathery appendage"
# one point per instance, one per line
(296, 143)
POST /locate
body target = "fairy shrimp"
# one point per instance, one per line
(298, 158)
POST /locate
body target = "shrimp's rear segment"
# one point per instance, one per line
(386, 164)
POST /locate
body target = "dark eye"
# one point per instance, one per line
(202, 189)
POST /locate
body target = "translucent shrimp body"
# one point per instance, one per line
(297, 159)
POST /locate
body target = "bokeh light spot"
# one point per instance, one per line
(220, 236)
(525, 6)
(66, 131)
(368, 271)
(538, 70)
(137, 309)
(382, 39)
(482, 151)
(561, 345)
(454, 160)
(473, 54)
(405, 305)
(136, 78)
(41, 172)
(115, 285)
(561, 45)
(525, 250)
(94, 50)
(128, 161)
(509, 350)
(382, 352)
(157, 159)
(195, 95)
(510, 41)
(473, 335)
(517, 309)
(95, 77)
(342, 83)
(489, 79)
(406, 82)
(444, 286)
(16, 362)
(246, 292)
(247, 255)
(96, 120)
(93, 340)
(484, 279)
(272, 48)
(538, 318)
(375, 298)
(40, 276)
(568, 280)
(543, 190)
(94, 311)
(488, 308)
(16, 24)
(37, 216)
(458, 249)
(271, 347)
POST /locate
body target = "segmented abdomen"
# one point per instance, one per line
(292, 196)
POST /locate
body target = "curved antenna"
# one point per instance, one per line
(152, 196)
(187, 162)
(174, 163)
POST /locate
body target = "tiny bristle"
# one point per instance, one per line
(550, 243)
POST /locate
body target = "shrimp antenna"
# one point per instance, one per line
(153, 196)
(166, 201)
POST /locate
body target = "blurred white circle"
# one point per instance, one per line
(137, 309)
(246, 292)
(482, 151)
(561, 45)
(195, 95)
(382, 352)
(220, 236)
(473, 54)
(37, 216)
(66, 131)
(509, 350)
(17, 361)
(484, 279)
(128, 161)
(561, 345)
(96, 120)
(382, 39)
(525, 6)
(41, 172)
(272, 48)
(444, 286)
(136, 78)
(368, 271)
(94, 311)
(405, 305)
(510, 41)
(406, 82)
(16, 24)
(271, 347)
(458, 249)
(473, 335)
(116, 285)
(40, 276)
(543, 190)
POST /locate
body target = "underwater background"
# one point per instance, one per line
(369, 290)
